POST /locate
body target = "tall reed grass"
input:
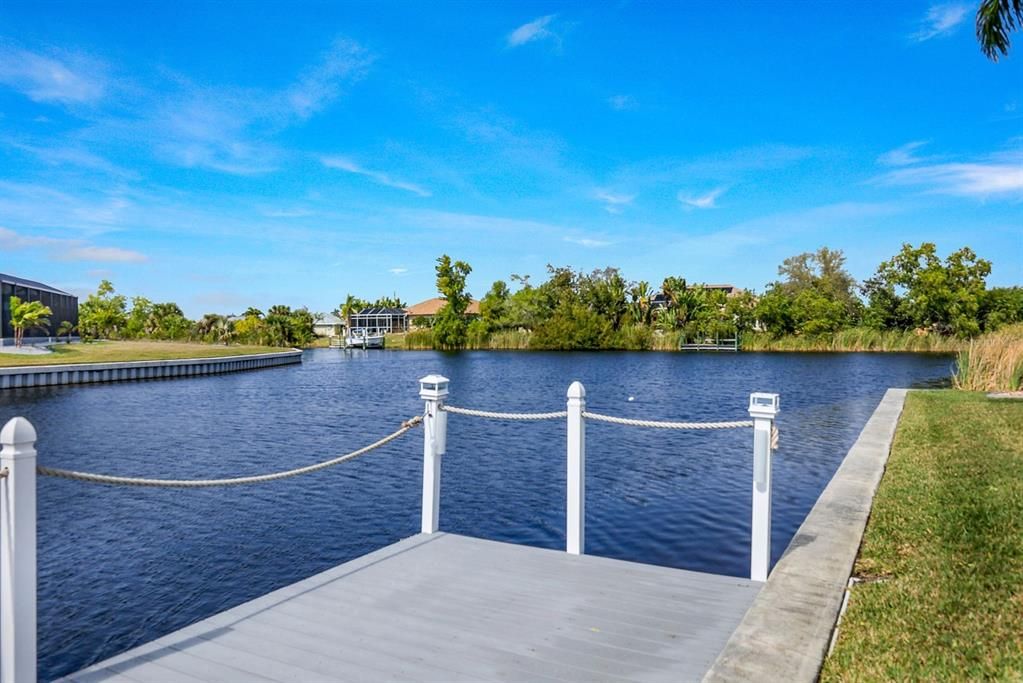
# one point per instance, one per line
(854, 339)
(992, 362)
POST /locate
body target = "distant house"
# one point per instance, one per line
(63, 305)
(662, 300)
(380, 320)
(328, 326)
(423, 313)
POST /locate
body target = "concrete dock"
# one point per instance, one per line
(442, 607)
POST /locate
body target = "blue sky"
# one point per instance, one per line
(230, 154)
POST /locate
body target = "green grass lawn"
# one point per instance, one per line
(942, 555)
(120, 351)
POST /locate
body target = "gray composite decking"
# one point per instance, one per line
(442, 607)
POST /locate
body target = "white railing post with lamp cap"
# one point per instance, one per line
(433, 389)
(762, 408)
(18, 552)
(575, 533)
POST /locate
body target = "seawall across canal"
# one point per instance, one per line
(89, 373)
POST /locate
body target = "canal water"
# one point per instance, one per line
(122, 566)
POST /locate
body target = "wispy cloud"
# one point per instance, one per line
(61, 249)
(397, 271)
(538, 29)
(776, 230)
(940, 20)
(1000, 175)
(707, 201)
(298, 212)
(62, 154)
(222, 128)
(588, 242)
(724, 168)
(61, 77)
(622, 102)
(345, 62)
(349, 166)
(903, 156)
(613, 202)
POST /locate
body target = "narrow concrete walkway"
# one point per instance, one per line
(785, 634)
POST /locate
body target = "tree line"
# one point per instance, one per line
(108, 315)
(815, 296)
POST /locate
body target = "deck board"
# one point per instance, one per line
(443, 607)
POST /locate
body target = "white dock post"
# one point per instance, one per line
(433, 389)
(762, 408)
(18, 552)
(576, 514)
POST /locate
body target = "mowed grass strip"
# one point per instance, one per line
(942, 555)
(124, 351)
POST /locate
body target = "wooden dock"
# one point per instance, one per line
(710, 345)
(441, 607)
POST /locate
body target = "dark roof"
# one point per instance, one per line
(381, 310)
(22, 282)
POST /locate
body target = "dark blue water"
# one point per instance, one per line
(121, 566)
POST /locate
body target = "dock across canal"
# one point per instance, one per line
(442, 607)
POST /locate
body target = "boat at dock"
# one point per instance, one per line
(364, 339)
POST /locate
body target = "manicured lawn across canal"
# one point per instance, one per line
(124, 351)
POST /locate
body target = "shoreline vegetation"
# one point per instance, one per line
(850, 340)
(941, 562)
(126, 351)
(915, 302)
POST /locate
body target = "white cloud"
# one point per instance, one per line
(61, 249)
(1001, 175)
(297, 212)
(622, 102)
(588, 242)
(613, 202)
(767, 232)
(940, 20)
(903, 156)
(349, 166)
(538, 29)
(64, 77)
(707, 201)
(345, 62)
(397, 271)
(70, 155)
(102, 254)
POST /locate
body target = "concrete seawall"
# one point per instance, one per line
(89, 373)
(785, 634)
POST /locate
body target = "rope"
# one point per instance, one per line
(505, 416)
(775, 435)
(667, 425)
(204, 483)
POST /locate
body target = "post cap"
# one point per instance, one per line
(762, 404)
(17, 431)
(433, 386)
(577, 390)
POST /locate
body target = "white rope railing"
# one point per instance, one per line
(89, 477)
(505, 416)
(656, 424)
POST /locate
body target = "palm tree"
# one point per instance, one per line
(205, 325)
(995, 20)
(223, 330)
(66, 328)
(640, 306)
(27, 315)
(349, 307)
(253, 312)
